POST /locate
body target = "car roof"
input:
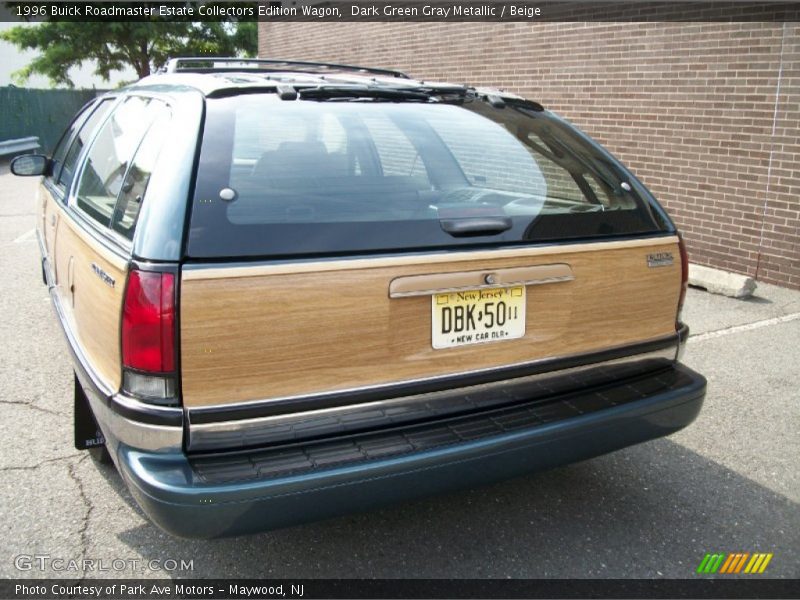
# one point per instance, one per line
(212, 83)
(222, 76)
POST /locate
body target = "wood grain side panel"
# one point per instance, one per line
(47, 222)
(93, 306)
(285, 334)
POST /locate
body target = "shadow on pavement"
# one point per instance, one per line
(757, 300)
(648, 511)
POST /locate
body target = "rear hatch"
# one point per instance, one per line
(363, 249)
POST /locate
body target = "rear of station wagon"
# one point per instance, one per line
(293, 290)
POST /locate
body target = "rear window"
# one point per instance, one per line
(280, 178)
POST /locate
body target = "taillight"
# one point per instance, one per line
(684, 276)
(148, 335)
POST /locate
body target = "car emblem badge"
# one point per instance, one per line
(105, 277)
(660, 259)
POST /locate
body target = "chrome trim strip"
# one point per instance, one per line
(40, 242)
(387, 389)
(136, 434)
(200, 271)
(340, 419)
(105, 237)
(145, 412)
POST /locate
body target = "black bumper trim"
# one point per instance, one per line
(143, 412)
(232, 494)
(303, 457)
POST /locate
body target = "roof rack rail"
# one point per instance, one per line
(176, 65)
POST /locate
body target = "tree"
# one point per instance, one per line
(144, 46)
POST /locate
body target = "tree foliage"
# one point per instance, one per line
(143, 46)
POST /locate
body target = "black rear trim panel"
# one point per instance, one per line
(302, 458)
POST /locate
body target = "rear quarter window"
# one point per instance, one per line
(119, 163)
(134, 186)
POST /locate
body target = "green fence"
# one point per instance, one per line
(43, 113)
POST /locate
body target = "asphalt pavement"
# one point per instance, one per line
(728, 483)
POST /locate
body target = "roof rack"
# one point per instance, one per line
(176, 65)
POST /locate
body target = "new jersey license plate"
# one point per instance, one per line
(477, 316)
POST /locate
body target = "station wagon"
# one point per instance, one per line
(293, 290)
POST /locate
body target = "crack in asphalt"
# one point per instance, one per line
(33, 406)
(43, 463)
(87, 503)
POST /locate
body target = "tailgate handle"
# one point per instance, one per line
(476, 226)
(438, 283)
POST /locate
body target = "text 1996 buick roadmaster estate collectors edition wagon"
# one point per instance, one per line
(293, 290)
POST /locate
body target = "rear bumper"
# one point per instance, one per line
(218, 495)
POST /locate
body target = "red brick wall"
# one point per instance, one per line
(690, 107)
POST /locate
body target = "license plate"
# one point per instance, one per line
(477, 316)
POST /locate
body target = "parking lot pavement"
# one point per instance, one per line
(730, 482)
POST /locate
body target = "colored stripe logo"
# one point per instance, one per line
(734, 563)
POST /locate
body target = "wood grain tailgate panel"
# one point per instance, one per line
(283, 334)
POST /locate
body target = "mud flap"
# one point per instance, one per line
(87, 433)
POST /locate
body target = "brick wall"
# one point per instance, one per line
(690, 107)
